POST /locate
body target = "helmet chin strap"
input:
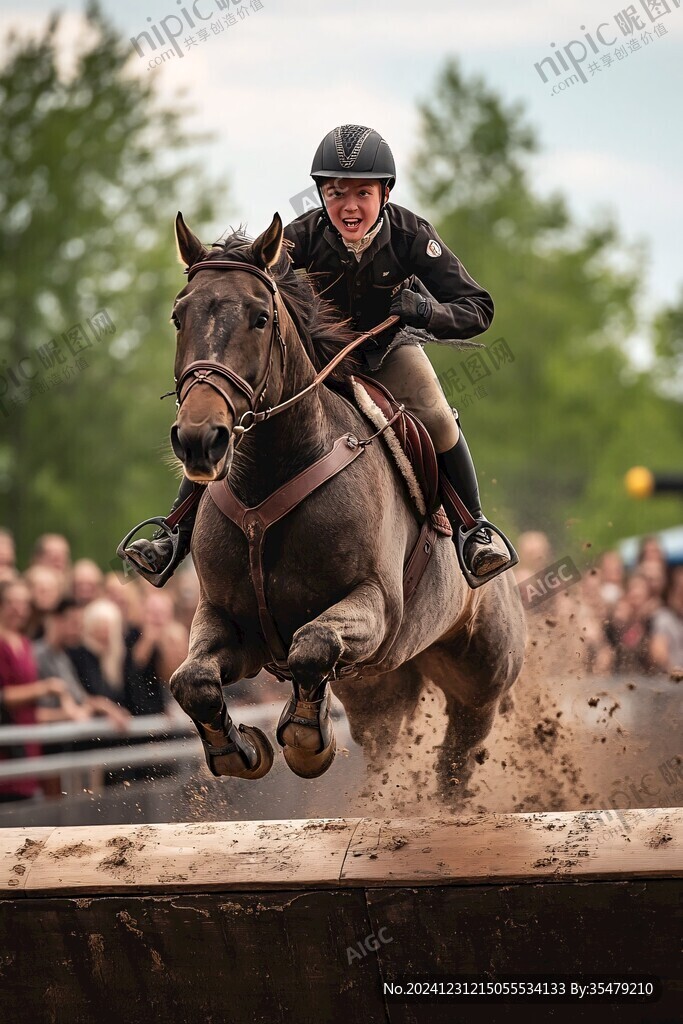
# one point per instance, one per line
(336, 230)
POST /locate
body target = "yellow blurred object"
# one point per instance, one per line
(640, 482)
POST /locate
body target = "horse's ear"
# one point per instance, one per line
(190, 249)
(268, 246)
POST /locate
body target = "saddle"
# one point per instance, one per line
(411, 446)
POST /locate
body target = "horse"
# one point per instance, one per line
(251, 334)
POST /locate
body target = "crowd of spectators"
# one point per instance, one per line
(76, 643)
(631, 621)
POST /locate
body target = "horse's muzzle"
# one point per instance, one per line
(200, 451)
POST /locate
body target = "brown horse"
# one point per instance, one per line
(333, 566)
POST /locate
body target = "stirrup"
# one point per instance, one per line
(461, 538)
(157, 579)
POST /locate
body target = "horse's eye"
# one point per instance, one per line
(175, 321)
(261, 320)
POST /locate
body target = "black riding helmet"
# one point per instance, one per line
(353, 151)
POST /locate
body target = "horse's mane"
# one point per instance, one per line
(317, 321)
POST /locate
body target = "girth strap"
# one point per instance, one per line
(419, 556)
(254, 522)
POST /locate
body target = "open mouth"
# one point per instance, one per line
(352, 223)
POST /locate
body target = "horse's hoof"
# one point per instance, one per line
(232, 765)
(307, 765)
(264, 749)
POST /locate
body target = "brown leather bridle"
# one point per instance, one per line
(202, 371)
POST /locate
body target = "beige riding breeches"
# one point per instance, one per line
(409, 375)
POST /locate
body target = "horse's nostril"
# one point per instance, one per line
(175, 443)
(218, 443)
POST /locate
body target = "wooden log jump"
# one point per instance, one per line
(310, 920)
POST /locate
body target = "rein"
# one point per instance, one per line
(202, 371)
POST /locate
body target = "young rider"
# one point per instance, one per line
(374, 259)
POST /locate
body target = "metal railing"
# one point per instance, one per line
(106, 759)
(79, 770)
(75, 765)
(93, 729)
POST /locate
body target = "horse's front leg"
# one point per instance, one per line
(353, 629)
(215, 659)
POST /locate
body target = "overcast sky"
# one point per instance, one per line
(273, 83)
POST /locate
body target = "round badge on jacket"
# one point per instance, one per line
(433, 248)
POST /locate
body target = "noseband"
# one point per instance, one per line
(203, 371)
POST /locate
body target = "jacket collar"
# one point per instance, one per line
(379, 241)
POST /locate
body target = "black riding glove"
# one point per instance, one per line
(412, 308)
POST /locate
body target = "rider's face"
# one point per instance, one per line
(353, 205)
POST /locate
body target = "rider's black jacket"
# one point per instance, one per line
(405, 253)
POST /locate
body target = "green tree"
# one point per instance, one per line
(560, 425)
(92, 171)
(668, 334)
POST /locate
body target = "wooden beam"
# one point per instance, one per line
(518, 847)
(357, 852)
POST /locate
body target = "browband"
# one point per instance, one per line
(249, 268)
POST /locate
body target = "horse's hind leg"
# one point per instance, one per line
(376, 708)
(216, 658)
(467, 727)
(474, 678)
(352, 629)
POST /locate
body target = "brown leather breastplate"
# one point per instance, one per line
(254, 523)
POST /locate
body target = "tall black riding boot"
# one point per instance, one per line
(153, 556)
(483, 552)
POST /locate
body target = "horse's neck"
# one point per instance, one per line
(279, 448)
